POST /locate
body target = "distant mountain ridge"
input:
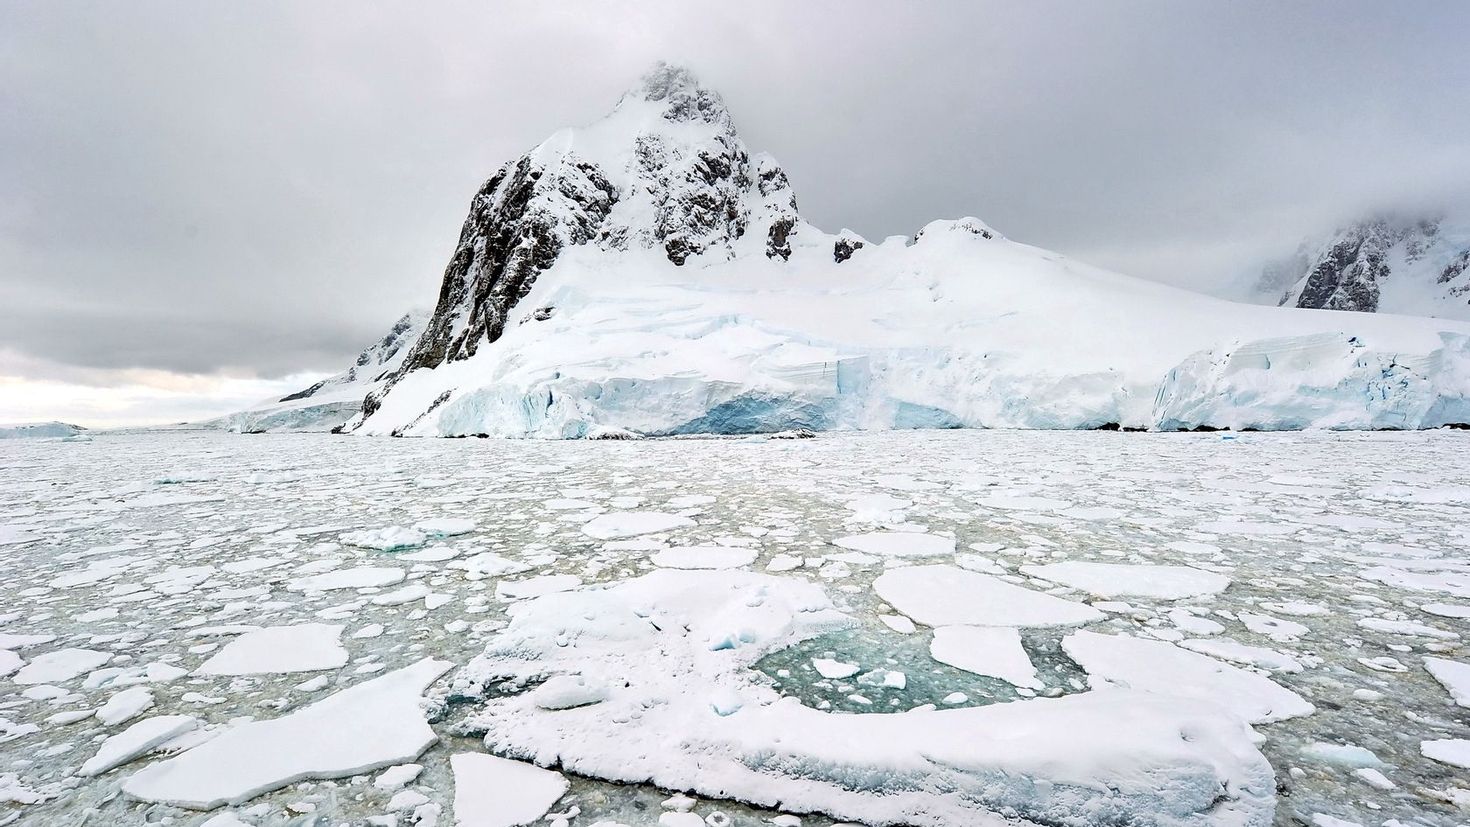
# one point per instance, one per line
(1392, 263)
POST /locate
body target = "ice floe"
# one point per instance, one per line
(373, 724)
(1131, 580)
(943, 595)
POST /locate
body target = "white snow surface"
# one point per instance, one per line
(370, 725)
(683, 711)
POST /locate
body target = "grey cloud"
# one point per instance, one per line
(264, 187)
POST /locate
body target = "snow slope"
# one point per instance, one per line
(333, 400)
(648, 273)
(1392, 263)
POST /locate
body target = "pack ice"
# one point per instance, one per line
(648, 274)
(650, 681)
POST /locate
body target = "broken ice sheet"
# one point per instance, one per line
(373, 724)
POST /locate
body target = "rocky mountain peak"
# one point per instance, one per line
(1397, 262)
(665, 170)
(684, 98)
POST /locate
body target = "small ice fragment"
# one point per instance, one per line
(398, 775)
(125, 705)
(898, 623)
(497, 792)
(833, 669)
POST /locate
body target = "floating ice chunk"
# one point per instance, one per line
(125, 705)
(1453, 675)
(9, 662)
(1448, 577)
(399, 775)
(1411, 628)
(704, 557)
(536, 586)
(899, 544)
(834, 669)
(1296, 608)
(1192, 547)
(1374, 778)
(992, 651)
(1024, 502)
(1447, 610)
(1342, 755)
(329, 739)
(1164, 668)
(305, 647)
(358, 578)
(144, 736)
(1192, 623)
(61, 665)
(14, 641)
(251, 564)
(632, 523)
(445, 526)
(487, 564)
(1452, 751)
(942, 595)
(1275, 628)
(399, 596)
(391, 538)
(898, 623)
(1233, 526)
(1237, 652)
(784, 562)
(497, 792)
(1132, 580)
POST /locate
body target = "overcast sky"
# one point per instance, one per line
(202, 204)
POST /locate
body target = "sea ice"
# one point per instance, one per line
(1131, 580)
(1155, 666)
(899, 544)
(1453, 675)
(358, 578)
(145, 735)
(993, 651)
(704, 557)
(304, 647)
(1452, 751)
(373, 724)
(632, 523)
(942, 595)
(61, 665)
(125, 705)
(675, 648)
(497, 792)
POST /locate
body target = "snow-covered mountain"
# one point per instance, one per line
(332, 401)
(648, 273)
(1392, 263)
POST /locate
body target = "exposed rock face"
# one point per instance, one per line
(1388, 263)
(666, 170)
(845, 246)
